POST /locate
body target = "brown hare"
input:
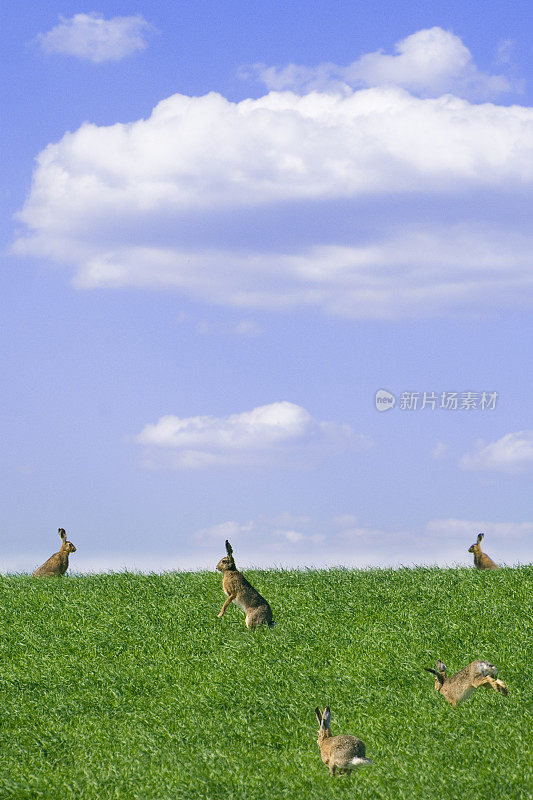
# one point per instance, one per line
(242, 593)
(464, 683)
(481, 560)
(57, 564)
(344, 752)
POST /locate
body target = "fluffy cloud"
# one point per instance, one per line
(97, 39)
(373, 203)
(430, 62)
(205, 153)
(279, 433)
(512, 453)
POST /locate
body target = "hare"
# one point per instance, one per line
(241, 592)
(344, 752)
(464, 683)
(481, 560)
(58, 563)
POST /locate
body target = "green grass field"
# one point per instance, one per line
(128, 686)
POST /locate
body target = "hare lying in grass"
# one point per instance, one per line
(241, 592)
(343, 752)
(481, 560)
(58, 563)
(464, 683)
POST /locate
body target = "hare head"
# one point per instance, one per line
(476, 547)
(440, 674)
(324, 721)
(227, 563)
(66, 546)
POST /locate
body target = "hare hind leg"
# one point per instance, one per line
(255, 617)
(251, 619)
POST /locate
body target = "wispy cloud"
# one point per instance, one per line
(279, 434)
(439, 451)
(512, 453)
(245, 328)
(326, 542)
(454, 528)
(429, 63)
(222, 531)
(91, 37)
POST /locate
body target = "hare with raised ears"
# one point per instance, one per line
(343, 752)
(57, 564)
(481, 560)
(464, 683)
(242, 593)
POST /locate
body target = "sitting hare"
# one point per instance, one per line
(464, 683)
(481, 560)
(241, 592)
(58, 563)
(344, 752)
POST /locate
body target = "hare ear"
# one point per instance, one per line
(229, 549)
(326, 717)
(61, 532)
(441, 667)
(438, 675)
(480, 537)
(318, 715)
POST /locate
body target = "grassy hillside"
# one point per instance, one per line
(129, 687)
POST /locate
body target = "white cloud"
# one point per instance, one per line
(223, 531)
(288, 520)
(281, 433)
(430, 62)
(97, 39)
(293, 536)
(370, 534)
(287, 538)
(504, 51)
(189, 198)
(439, 451)
(205, 153)
(512, 453)
(465, 529)
(344, 521)
(412, 272)
(245, 328)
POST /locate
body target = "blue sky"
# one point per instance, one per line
(224, 228)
